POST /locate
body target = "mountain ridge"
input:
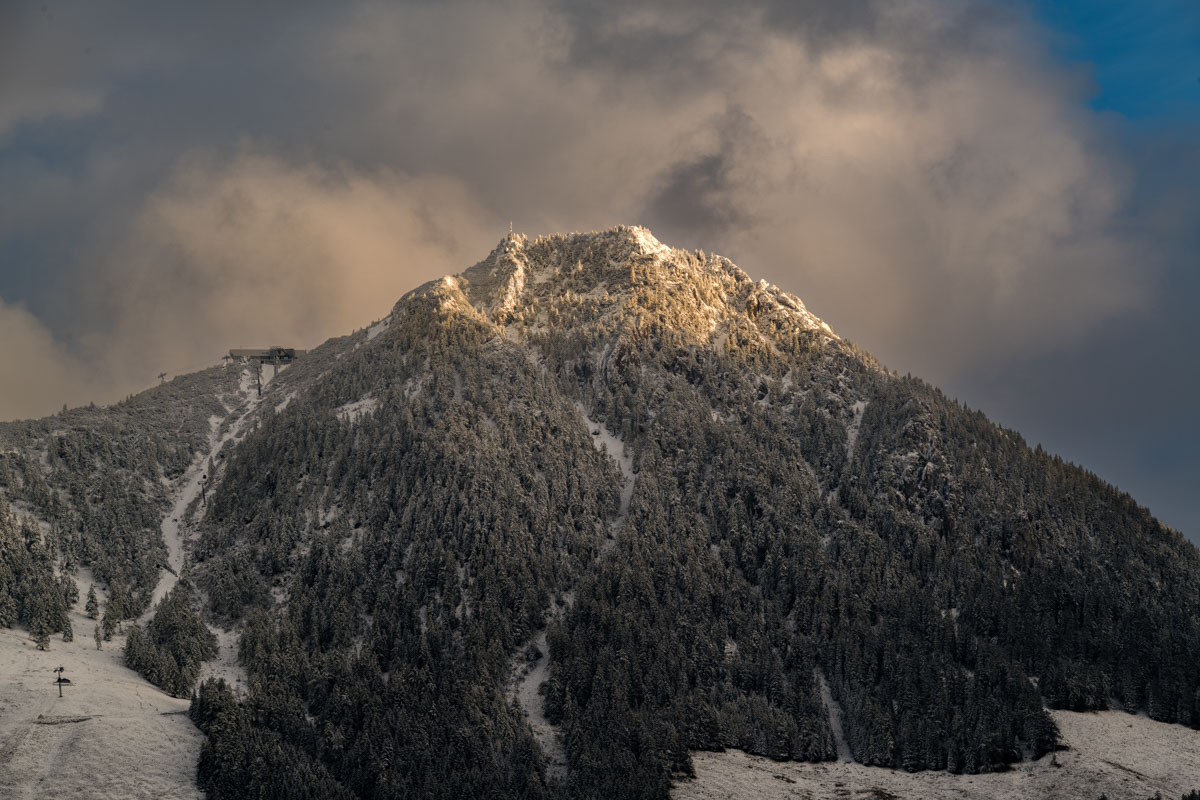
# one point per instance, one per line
(519, 276)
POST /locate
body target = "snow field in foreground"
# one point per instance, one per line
(1122, 755)
(111, 735)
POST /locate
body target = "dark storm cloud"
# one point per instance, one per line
(633, 36)
(1121, 402)
(923, 173)
(822, 22)
(695, 199)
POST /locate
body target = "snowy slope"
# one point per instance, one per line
(111, 735)
(527, 688)
(1111, 752)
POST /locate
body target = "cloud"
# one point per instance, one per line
(38, 77)
(698, 195)
(254, 250)
(39, 374)
(243, 251)
(924, 174)
(879, 159)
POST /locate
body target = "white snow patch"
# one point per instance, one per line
(378, 328)
(415, 385)
(514, 287)
(835, 719)
(647, 243)
(111, 736)
(25, 512)
(84, 580)
(1111, 752)
(530, 672)
(852, 429)
(246, 381)
(605, 440)
(225, 665)
(529, 679)
(352, 412)
(543, 275)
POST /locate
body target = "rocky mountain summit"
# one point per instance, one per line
(596, 280)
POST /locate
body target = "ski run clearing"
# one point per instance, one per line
(176, 526)
(112, 734)
(1124, 756)
(189, 489)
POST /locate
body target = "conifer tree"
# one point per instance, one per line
(39, 631)
(93, 605)
(8, 609)
(70, 589)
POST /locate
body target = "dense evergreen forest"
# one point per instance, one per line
(174, 644)
(32, 591)
(94, 480)
(420, 499)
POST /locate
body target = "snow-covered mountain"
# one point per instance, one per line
(595, 504)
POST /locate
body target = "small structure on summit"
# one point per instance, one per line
(273, 355)
(270, 355)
